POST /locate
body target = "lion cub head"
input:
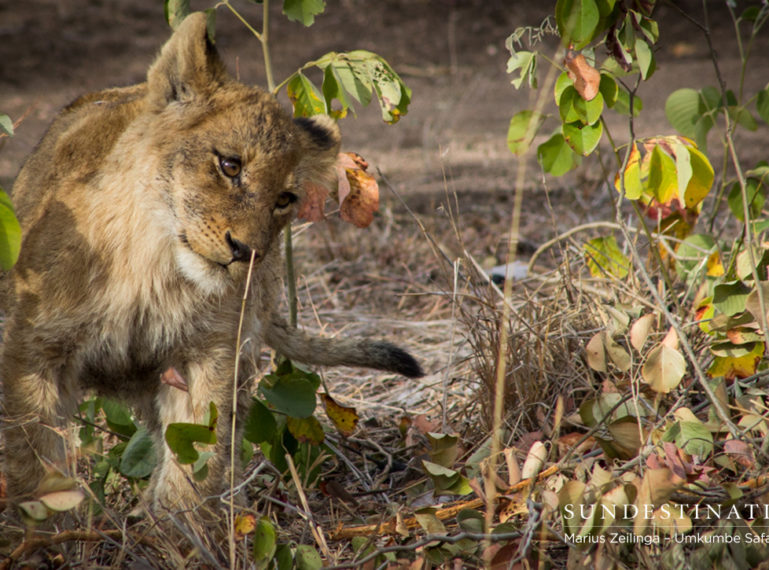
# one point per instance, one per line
(233, 163)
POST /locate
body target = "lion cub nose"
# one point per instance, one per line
(240, 251)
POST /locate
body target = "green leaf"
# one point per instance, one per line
(118, 417)
(175, 11)
(265, 543)
(583, 138)
(608, 89)
(762, 104)
(284, 558)
(555, 155)
(525, 62)
(693, 254)
(303, 11)
(523, 127)
(10, 233)
(260, 424)
(6, 125)
(307, 558)
(682, 110)
(572, 107)
(730, 298)
(664, 368)
(605, 257)
(305, 96)
(332, 89)
(694, 438)
(138, 458)
(181, 436)
(645, 58)
(292, 394)
(470, 521)
(560, 86)
(756, 198)
(577, 21)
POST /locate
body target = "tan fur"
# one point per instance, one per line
(134, 259)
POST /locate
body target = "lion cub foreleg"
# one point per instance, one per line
(173, 485)
(38, 400)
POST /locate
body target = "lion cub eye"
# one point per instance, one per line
(230, 166)
(285, 199)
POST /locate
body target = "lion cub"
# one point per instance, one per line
(141, 209)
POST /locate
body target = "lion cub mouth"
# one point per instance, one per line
(240, 252)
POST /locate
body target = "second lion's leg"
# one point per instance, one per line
(174, 486)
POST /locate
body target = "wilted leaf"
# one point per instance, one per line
(595, 353)
(656, 487)
(626, 437)
(430, 523)
(345, 419)
(307, 430)
(245, 524)
(358, 190)
(63, 500)
(585, 77)
(34, 509)
(334, 488)
(641, 329)
(741, 452)
(534, 460)
(671, 519)
(664, 368)
(444, 448)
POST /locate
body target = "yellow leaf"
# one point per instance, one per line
(701, 179)
(306, 430)
(244, 524)
(344, 419)
(731, 367)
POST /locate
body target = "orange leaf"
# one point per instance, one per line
(244, 524)
(358, 190)
(344, 419)
(585, 77)
(312, 206)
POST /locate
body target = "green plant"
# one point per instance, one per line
(10, 231)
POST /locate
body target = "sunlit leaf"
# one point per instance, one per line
(535, 459)
(63, 500)
(525, 62)
(664, 368)
(345, 419)
(556, 157)
(662, 182)
(577, 21)
(604, 257)
(34, 510)
(245, 524)
(10, 233)
(701, 179)
(731, 367)
(583, 138)
(730, 298)
(641, 329)
(671, 520)
(358, 190)
(305, 96)
(303, 11)
(644, 58)
(6, 125)
(523, 127)
(632, 175)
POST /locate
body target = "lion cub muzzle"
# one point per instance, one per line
(240, 251)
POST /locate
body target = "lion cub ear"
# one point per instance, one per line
(320, 141)
(188, 65)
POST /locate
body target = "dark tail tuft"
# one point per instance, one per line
(386, 356)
